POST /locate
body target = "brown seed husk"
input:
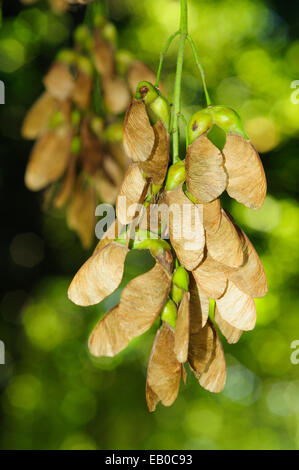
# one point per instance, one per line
(99, 276)
(82, 90)
(140, 304)
(246, 177)
(103, 56)
(116, 95)
(231, 333)
(164, 370)
(37, 118)
(59, 81)
(199, 305)
(132, 192)
(237, 308)
(139, 72)
(80, 214)
(205, 172)
(187, 239)
(225, 246)
(212, 216)
(250, 277)
(182, 329)
(211, 277)
(48, 160)
(139, 136)
(156, 167)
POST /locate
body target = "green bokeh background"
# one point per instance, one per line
(54, 395)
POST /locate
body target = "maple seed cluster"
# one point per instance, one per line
(78, 156)
(218, 263)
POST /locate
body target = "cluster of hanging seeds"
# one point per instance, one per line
(199, 257)
(78, 156)
(59, 6)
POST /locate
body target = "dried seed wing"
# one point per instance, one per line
(237, 308)
(37, 118)
(212, 216)
(142, 301)
(225, 246)
(213, 378)
(131, 193)
(107, 338)
(106, 190)
(182, 329)
(205, 173)
(246, 177)
(67, 185)
(156, 167)
(152, 398)
(81, 213)
(199, 306)
(99, 276)
(59, 81)
(139, 136)
(250, 277)
(82, 90)
(164, 370)
(116, 95)
(201, 347)
(186, 228)
(140, 304)
(48, 160)
(211, 277)
(103, 56)
(231, 333)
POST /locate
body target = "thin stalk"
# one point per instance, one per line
(178, 80)
(201, 70)
(163, 54)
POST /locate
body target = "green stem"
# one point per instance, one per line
(201, 70)
(178, 80)
(163, 54)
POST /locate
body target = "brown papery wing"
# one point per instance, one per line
(246, 177)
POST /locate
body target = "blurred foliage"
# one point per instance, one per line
(54, 394)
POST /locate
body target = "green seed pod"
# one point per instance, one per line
(67, 56)
(146, 92)
(227, 119)
(176, 175)
(85, 65)
(56, 119)
(176, 294)
(123, 60)
(97, 125)
(82, 35)
(169, 313)
(157, 106)
(199, 123)
(76, 118)
(114, 132)
(159, 109)
(76, 145)
(181, 278)
(109, 32)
